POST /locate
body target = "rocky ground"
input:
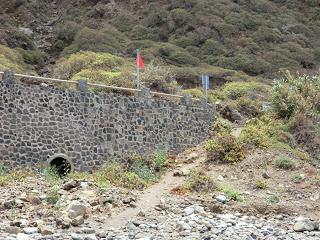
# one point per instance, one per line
(85, 211)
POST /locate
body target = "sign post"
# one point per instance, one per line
(138, 70)
(205, 85)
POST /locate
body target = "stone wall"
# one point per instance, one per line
(39, 122)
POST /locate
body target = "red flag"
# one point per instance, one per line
(139, 62)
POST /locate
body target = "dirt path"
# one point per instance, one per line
(151, 197)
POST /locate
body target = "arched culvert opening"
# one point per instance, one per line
(61, 164)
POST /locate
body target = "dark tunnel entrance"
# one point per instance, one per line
(62, 165)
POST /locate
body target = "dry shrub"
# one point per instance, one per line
(306, 131)
(199, 181)
(224, 148)
(180, 190)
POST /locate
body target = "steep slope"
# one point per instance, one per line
(256, 37)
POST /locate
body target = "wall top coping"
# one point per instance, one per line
(186, 100)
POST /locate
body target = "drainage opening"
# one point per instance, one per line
(62, 165)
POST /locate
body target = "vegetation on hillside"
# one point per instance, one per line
(292, 125)
(242, 38)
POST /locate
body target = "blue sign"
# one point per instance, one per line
(205, 82)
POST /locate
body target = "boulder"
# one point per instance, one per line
(64, 222)
(230, 113)
(265, 175)
(12, 230)
(76, 209)
(77, 221)
(44, 230)
(303, 224)
(70, 185)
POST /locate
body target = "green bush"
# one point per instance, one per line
(297, 178)
(296, 97)
(35, 57)
(235, 90)
(260, 184)
(140, 32)
(187, 4)
(232, 193)
(19, 39)
(181, 57)
(224, 148)
(243, 21)
(124, 22)
(247, 106)
(121, 78)
(156, 17)
(160, 160)
(245, 62)
(148, 168)
(265, 34)
(12, 59)
(252, 136)
(117, 175)
(53, 195)
(212, 47)
(3, 170)
(187, 40)
(180, 16)
(67, 31)
(296, 93)
(274, 198)
(279, 61)
(264, 131)
(284, 162)
(222, 126)
(67, 67)
(93, 40)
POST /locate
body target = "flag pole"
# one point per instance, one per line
(138, 70)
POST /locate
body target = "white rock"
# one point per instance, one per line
(26, 31)
(44, 230)
(186, 226)
(30, 230)
(90, 237)
(189, 210)
(23, 223)
(22, 236)
(198, 209)
(220, 178)
(221, 198)
(75, 236)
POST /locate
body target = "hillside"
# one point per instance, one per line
(86, 166)
(229, 39)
